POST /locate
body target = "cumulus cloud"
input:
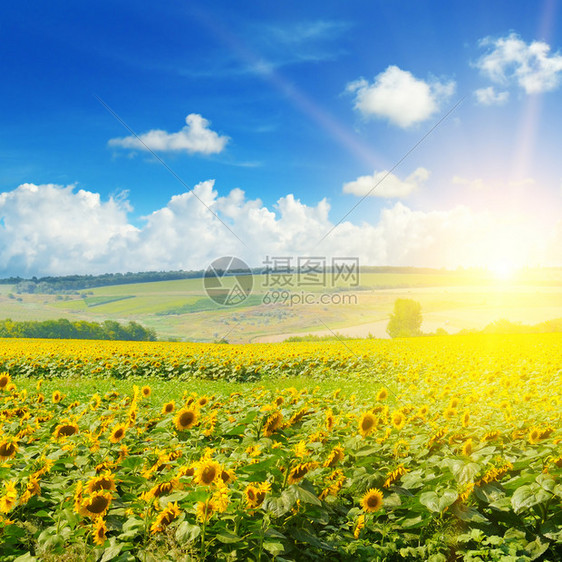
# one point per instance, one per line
(400, 97)
(531, 66)
(383, 184)
(489, 96)
(194, 137)
(476, 183)
(54, 230)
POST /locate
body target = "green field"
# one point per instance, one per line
(181, 309)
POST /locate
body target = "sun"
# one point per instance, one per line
(503, 270)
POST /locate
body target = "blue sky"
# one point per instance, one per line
(303, 107)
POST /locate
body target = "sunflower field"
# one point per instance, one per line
(441, 448)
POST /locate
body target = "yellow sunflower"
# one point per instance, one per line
(96, 504)
(367, 423)
(255, 495)
(207, 471)
(146, 391)
(65, 429)
(382, 394)
(534, 435)
(100, 531)
(398, 419)
(169, 407)
(186, 418)
(105, 481)
(5, 381)
(57, 396)
(204, 511)
(165, 517)
(8, 500)
(335, 457)
(300, 471)
(372, 500)
(8, 449)
(467, 448)
(118, 432)
(272, 424)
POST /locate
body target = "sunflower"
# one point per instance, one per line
(382, 394)
(255, 495)
(163, 488)
(146, 391)
(57, 396)
(202, 401)
(186, 418)
(165, 517)
(227, 476)
(118, 432)
(204, 511)
(467, 448)
(65, 429)
(360, 524)
(372, 500)
(169, 407)
(367, 423)
(465, 418)
(398, 419)
(449, 413)
(300, 471)
(207, 471)
(330, 420)
(534, 435)
(96, 504)
(272, 424)
(187, 470)
(105, 481)
(95, 402)
(32, 488)
(422, 412)
(5, 381)
(335, 457)
(8, 449)
(100, 531)
(8, 500)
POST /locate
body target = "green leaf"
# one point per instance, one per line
(186, 532)
(111, 552)
(227, 537)
(528, 496)
(438, 503)
(274, 547)
(25, 558)
(306, 496)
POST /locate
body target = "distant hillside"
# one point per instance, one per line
(52, 285)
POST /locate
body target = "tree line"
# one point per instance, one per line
(65, 329)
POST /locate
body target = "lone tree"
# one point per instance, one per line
(406, 320)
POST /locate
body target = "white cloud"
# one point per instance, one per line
(489, 96)
(194, 137)
(54, 230)
(529, 65)
(400, 97)
(477, 183)
(387, 185)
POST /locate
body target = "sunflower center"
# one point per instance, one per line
(186, 419)
(208, 475)
(67, 430)
(7, 449)
(98, 504)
